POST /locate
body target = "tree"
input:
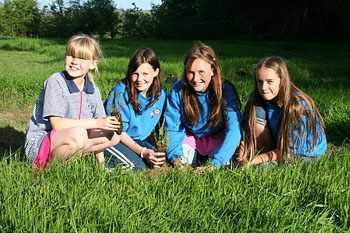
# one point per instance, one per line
(20, 17)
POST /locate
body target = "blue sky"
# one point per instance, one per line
(125, 4)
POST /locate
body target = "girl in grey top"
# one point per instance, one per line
(68, 117)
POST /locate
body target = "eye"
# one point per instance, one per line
(201, 72)
(270, 81)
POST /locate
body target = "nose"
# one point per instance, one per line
(195, 76)
(75, 60)
(263, 85)
(139, 78)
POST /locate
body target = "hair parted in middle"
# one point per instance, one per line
(295, 104)
(216, 94)
(143, 55)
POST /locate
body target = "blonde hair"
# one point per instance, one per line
(86, 47)
(295, 104)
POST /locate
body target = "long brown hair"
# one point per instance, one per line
(84, 46)
(295, 104)
(216, 94)
(143, 55)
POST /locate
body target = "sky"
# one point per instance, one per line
(121, 4)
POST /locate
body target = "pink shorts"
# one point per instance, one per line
(44, 155)
(205, 145)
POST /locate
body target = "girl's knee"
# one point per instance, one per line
(78, 137)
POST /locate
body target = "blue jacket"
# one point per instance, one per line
(302, 146)
(175, 123)
(138, 127)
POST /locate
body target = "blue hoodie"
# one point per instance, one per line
(138, 127)
(175, 123)
(303, 145)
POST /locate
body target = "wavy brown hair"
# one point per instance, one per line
(143, 55)
(295, 104)
(216, 95)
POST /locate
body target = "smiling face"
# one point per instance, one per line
(268, 83)
(78, 67)
(143, 76)
(199, 75)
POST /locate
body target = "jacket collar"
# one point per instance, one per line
(72, 87)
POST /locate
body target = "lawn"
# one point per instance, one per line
(81, 197)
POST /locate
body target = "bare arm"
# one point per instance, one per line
(108, 123)
(155, 158)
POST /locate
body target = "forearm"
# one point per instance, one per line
(130, 143)
(266, 157)
(59, 123)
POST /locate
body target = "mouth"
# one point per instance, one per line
(73, 68)
(197, 83)
(140, 84)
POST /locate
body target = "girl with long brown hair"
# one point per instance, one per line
(281, 121)
(203, 112)
(140, 98)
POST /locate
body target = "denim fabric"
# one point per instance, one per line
(121, 154)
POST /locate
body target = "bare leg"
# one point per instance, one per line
(72, 141)
(68, 142)
(101, 139)
(264, 138)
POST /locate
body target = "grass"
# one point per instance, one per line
(80, 197)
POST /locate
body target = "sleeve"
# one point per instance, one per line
(54, 99)
(233, 129)
(174, 126)
(99, 111)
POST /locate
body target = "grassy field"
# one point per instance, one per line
(81, 197)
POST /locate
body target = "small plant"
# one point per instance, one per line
(161, 138)
(116, 112)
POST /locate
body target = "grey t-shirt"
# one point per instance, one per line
(61, 97)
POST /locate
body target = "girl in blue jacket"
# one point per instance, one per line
(140, 98)
(203, 112)
(281, 121)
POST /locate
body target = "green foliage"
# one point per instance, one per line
(19, 18)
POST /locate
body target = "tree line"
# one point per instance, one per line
(289, 20)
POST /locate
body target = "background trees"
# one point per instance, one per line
(291, 20)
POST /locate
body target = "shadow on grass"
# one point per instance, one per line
(11, 141)
(338, 133)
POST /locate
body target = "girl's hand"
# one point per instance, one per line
(178, 163)
(157, 159)
(109, 123)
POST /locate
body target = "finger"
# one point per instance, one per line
(161, 158)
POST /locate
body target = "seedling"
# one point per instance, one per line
(116, 109)
(161, 138)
